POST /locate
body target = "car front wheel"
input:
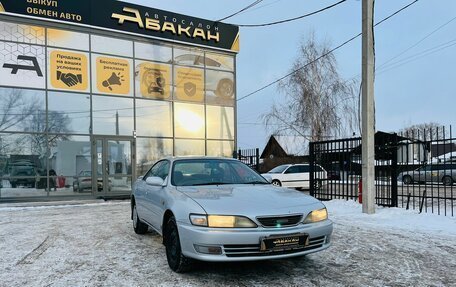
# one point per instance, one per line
(276, 182)
(176, 260)
(447, 180)
(407, 179)
(138, 225)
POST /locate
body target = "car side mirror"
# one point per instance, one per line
(268, 178)
(155, 181)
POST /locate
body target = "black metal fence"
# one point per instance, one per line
(414, 169)
(250, 157)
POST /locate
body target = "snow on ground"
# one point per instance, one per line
(397, 219)
(94, 245)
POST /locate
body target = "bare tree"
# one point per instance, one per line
(57, 126)
(150, 152)
(15, 108)
(318, 103)
(425, 131)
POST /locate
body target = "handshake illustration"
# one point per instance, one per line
(69, 79)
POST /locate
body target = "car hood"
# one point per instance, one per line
(251, 200)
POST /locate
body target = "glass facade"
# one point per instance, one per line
(81, 111)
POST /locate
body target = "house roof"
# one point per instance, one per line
(283, 146)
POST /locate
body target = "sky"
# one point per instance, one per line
(419, 88)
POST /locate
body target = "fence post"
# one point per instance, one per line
(394, 172)
(239, 155)
(257, 159)
(311, 171)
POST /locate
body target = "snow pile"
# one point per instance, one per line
(393, 219)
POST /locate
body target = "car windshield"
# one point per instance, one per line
(192, 172)
(278, 169)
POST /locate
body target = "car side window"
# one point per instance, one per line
(305, 169)
(212, 63)
(163, 170)
(438, 167)
(293, 169)
(425, 168)
(154, 170)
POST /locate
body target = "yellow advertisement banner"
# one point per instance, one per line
(113, 76)
(69, 71)
(189, 84)
(154, 80)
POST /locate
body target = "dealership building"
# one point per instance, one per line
(92, 93)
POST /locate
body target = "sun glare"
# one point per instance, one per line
(190, 121)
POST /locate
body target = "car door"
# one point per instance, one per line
(141, 193)
(422, 174)
(155, 195)
(437, 172)
(305, 175)
(292, 176)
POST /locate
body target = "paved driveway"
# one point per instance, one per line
(94, 245)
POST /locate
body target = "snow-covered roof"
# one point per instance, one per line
(448, 157)
(293, 145)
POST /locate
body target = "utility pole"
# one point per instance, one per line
(368, 109)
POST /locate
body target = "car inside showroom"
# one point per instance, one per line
(89, 101)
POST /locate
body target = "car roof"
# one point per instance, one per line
(294, 164)
(176, 158)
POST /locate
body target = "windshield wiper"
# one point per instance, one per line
(256, 182)
(211, 183)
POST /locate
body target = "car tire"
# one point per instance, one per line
(225, 88)
(176, 260)
(407, 179)
(448, 181)
(276, 182)
(139, 226)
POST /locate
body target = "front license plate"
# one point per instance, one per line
(284, 242)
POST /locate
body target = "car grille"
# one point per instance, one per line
(247, 250)
(280, 221)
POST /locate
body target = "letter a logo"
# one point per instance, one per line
(16, 67)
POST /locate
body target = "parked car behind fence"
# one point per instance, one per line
(296, 175)
(435, 173)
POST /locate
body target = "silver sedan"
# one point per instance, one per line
(218, 209)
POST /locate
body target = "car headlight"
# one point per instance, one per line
(317, 216)
(221, 221)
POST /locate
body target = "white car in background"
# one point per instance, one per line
(296, 176)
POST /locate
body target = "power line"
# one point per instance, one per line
(324, 55)
(382, 65)
(417, 43)
(418, 56)
(259, 7)
(291, 19)
(242, 10)
(300, 68)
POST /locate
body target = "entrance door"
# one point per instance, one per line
(113, 165)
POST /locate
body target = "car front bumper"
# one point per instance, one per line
(244, 244)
